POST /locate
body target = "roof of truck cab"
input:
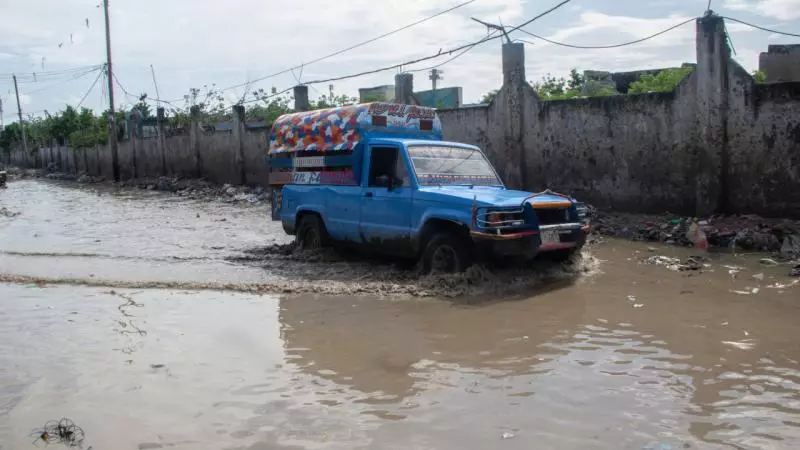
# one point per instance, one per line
(408, 142)
(343, 128)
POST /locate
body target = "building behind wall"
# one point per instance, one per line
(780, 63)
(383, 93)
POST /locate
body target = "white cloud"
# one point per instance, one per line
(777, 9)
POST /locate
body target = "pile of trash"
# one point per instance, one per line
(742, 232)
(676, 264)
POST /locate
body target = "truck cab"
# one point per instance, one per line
(379, 176)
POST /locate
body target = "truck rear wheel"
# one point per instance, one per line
(311, 233)
(446, 253)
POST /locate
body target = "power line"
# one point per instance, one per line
(90, 90)
(425, 58)
(593, 47)
(37, 77)
(352, 47)
(75, 77)
(451, 59)
(760, 27)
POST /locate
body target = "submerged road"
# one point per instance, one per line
(156, 322)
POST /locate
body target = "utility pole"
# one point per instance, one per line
(1, 114)
(435, 76)
(112, 131)
(21, 123)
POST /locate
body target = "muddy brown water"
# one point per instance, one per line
(612, 354)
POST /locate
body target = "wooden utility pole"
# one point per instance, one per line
(112, 130)
(21, 123)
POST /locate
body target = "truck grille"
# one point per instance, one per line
(549, 216)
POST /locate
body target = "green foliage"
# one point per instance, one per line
(489, 97)
(10, 136)
(269, 106)
(663, 81)
(333, 101)
(70, 127)
(552, 88)
(760, 76)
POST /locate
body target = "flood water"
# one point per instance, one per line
(618, 354)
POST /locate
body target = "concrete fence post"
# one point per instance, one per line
(194, 140)
(713, 90)
(238, 138)
(162, 143)
(404, 88)
(301, 102)
(514, 108)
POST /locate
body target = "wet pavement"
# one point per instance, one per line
(153, 323)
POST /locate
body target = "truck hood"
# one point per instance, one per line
(484, 196)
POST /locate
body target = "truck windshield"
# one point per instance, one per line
(437, 165)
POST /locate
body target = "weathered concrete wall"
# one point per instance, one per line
(218, 155)
(719, 142)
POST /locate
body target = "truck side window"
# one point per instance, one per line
(383, 163)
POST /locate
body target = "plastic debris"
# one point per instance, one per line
(507, 435)
(759, 276)
(768, 262)
(746, 344)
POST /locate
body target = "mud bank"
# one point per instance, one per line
(330, 273)
(737, 233)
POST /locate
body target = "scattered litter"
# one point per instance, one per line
(63, 431)
(157, 366)
(507, 435)
(746, 344)
(768, 262)
(691, 263)
(782, 285)
(631, 298)
(749, 291)
(638, 305)
(795, 271)
(7, 212)
(759, 276)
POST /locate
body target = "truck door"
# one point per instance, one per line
(386, 201)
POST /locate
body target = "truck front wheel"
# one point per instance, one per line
(446, 253)
(311, 233)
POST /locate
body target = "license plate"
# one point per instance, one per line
(550, 237)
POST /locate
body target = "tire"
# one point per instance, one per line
(311, 233)
(446, 253)
(562, 256)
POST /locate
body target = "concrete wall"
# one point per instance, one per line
(718, 143)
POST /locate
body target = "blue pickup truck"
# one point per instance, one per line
(379, 176)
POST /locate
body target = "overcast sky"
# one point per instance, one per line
(192, 43)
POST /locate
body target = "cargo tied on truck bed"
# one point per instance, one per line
(379, 176)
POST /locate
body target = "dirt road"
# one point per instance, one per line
(156, 322)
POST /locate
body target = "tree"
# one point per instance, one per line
(759, 76)
(333, 101)
(489, 97)
(269, 106)
(10, 136)
(663, 81)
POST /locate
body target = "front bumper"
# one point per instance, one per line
(529, 243)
